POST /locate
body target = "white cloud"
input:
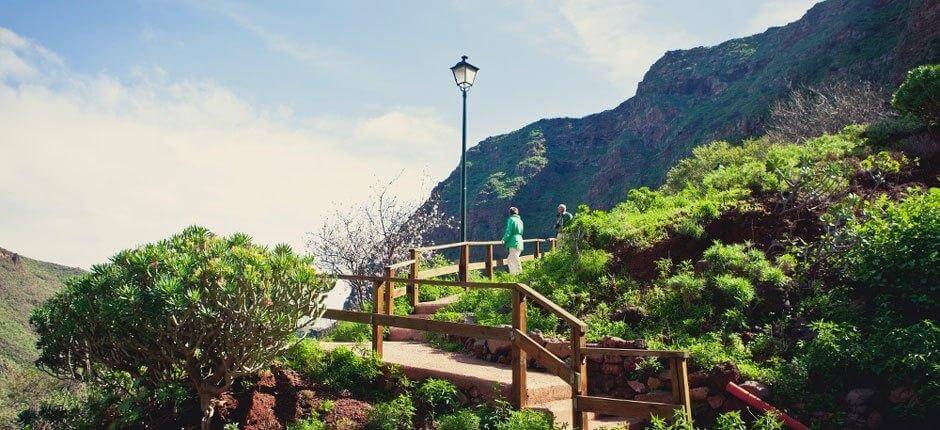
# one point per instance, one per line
(775, 13)
(93, 164)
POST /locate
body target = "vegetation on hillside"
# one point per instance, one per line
(813, 267)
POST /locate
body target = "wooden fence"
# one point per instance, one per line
(573, 371)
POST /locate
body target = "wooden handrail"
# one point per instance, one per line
(595, 351)
(573, 371)
(551, 306)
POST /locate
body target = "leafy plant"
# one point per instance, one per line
(396, 414)
(919, 94)
(528, 419)
(195, 307)
(463, 419)
(438, 395)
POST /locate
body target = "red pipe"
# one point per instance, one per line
(755, 402)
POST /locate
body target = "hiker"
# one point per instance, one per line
(512, 238)
(562, 219)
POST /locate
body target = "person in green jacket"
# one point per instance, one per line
(562, 219)
(512, 238)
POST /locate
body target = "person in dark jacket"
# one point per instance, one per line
(562, 219)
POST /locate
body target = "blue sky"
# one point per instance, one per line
(123, 121)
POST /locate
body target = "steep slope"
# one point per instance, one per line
(687, 98)
(24, 284)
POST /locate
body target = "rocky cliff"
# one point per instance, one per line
(687, 98)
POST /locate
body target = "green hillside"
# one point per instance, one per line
(687, 98)
(24, 284)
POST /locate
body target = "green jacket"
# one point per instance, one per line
(562, 220)
(512, 237)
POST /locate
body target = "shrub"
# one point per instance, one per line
(397, 414)
(767, 421)
(345, 331)
(679, 422)
(311, 423)
(195, 307)
(463, 419)
(919, 94)
(528, 419)
(730, 421)
(438, 395)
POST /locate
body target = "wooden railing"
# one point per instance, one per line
(573, 371)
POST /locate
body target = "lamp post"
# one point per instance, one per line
(464, 74)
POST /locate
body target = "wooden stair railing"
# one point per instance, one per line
(572, 371)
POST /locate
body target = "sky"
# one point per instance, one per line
(122, 122)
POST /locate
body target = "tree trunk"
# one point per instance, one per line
(207, 403)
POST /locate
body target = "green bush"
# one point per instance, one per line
(463, 419)
(311, 423)
(528, 419)
(346, 331)
(397, 414)
(438, 395)
(767, 421)
(919, 94)
(339, 368)
(166, 297)
(730, 421)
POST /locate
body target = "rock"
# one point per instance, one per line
(637, 387)
(639, 344)
(660, 396)
(757, 389)
(901, 395)
(498, 347)
(698, 379)
(612, 369)
(478, 349)
(559, 347)
(859, 396)
(613, 359)
(715, 401)
(874, 420)
(722, 374)
(629, 365)
(654, 382)
(615, 342)
(608, 384)
(538, 337)
(732, 404)
(632, 315)
(699, 394)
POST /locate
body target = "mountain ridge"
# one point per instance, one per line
(686, 98)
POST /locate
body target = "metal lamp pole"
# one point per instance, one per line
(464, 75)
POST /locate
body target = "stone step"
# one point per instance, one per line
(480, 378)
(432, 306)
(561, 410)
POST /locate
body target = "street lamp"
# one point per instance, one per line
(464, 74)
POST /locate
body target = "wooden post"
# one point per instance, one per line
(377, 330)
(579, 385)
(489, 261)
(552, 241)
(519, 395)
(412, 286)
(464, 262)
(682, 383)
(538, 249)
(389, 291)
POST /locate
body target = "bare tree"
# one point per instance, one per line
(364, 238)
(811, 111)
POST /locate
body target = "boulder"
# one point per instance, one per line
(660, 396)
(631, 315)
(637, 387)
(698, 379)
(612, 369)
(498, 347)
(613, 359)
(722, 374)
(615, 342)
(859, 396)
(653, 382)
(478, 349)
(715, 401)
(757, 389)
(901, 395)
(559, 347)
(699, 394)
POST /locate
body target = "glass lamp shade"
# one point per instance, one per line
(464, 73)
